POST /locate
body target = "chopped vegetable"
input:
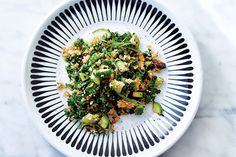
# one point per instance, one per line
(110, 76)
(156, 107)
(104, 122)
(95, 79)
(102, 73)
(90, 119)
(159, 82)
(122, 66)
(117, 85)
(83, 76)
(102, 33)
(139, 110)
(134, 40)
(138, 94)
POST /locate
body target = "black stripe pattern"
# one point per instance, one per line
(46, 64)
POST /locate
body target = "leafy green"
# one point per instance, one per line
(79, 42)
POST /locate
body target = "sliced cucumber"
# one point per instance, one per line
(139, 110)
(156, 107)
(104, 122)
(102, 33)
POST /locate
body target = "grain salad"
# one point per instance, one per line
(109, 77)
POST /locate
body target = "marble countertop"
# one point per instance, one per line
(212, 132)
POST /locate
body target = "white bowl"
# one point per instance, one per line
(148, 134)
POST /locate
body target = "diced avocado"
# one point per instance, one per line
(159, 82)
(138, 94)
(135, 40)
(139, 110)
(117, 85)
(83, 76)
(95, 79)
(147, 63)
(84, 68)
(90, 119)
(104, 122)
(122, 66)
(102, 73)
(156, 107)
(102, 33)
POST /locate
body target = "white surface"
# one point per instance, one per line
(212, 132)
